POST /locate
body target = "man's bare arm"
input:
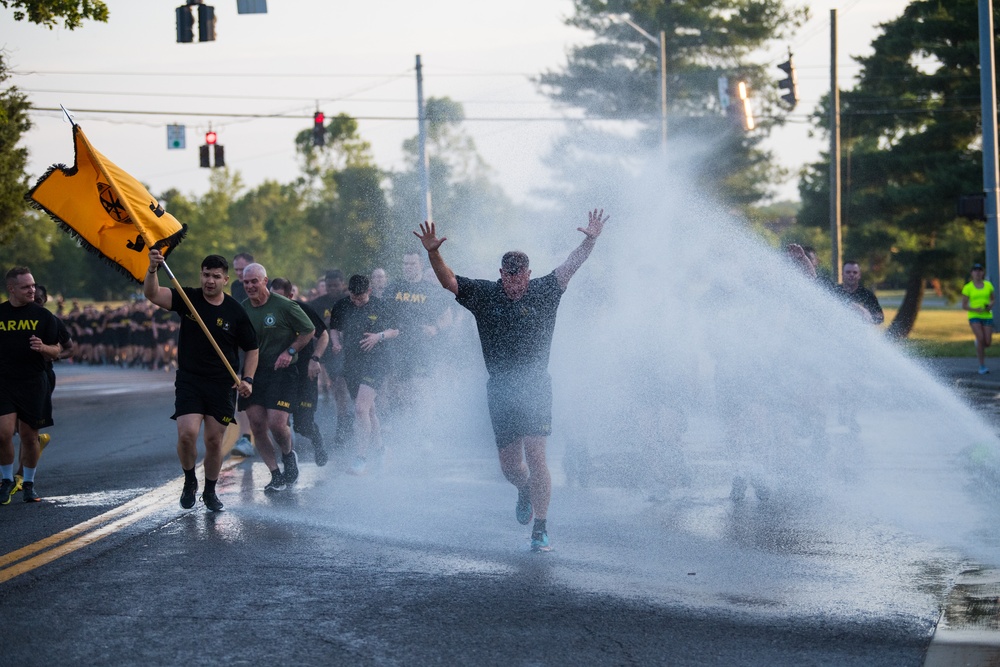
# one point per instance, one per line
(432, 244)
(595, 225)
(151, 285)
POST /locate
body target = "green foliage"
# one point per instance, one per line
(465, 200)
(618, 77)
(14, 122)
(910, 133)
(48, 12)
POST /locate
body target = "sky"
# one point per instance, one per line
(356, 58)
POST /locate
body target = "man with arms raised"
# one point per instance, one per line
(28, 338)
(283, 330)
(204, 388)
(516, 317)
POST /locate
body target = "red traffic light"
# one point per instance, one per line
(210, 137)
(318, 118)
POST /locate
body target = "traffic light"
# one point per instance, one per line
(740, 108)
(206, 23)
(185, 25)
(319, 132)
(789, 83)
(209, 148)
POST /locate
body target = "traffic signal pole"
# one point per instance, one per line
(836, 239)
(424, 165)
(987, 78)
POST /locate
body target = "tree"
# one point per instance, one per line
(911, 147)
(463, 194)
(14, 122)
(345, 205)
(617, 78)
(47, 12)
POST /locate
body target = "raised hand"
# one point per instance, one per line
(428, 237)
(595, 223)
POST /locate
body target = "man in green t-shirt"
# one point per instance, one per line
(282, 330)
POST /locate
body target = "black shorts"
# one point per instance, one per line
(194, 395)
(30, 399)
(520, 405)
(360, 373)
(308, 394)
(274, 390)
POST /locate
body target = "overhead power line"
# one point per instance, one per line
(295, 115)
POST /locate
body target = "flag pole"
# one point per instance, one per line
(180, 290)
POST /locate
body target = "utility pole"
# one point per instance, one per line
(663, 91)
(835, 231)
(987, 77)
(424, 166)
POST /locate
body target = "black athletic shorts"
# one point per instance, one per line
(30, 399)
(195, 395)
(520, 404)
(357, 374)
(307, 395)
(274, 390)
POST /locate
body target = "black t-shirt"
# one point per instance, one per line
(323, 305)
(354, 322)
(229, 325)
(416, 305)
(305, 354)
(17, 325)
(866, 298)
(515, 335)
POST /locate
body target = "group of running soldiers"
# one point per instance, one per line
(268, 350)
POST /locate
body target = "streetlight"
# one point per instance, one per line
(662, 43)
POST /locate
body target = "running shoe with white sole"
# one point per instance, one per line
(243, 447)
(277, 482)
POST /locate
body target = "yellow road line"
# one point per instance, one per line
(138, 508)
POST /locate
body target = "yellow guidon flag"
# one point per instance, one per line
(106, 209)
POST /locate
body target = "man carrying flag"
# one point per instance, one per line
(203, 387)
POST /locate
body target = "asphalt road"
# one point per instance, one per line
(421, 562)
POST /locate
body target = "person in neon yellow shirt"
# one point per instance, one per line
(977, 298)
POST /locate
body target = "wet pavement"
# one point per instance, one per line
(422, 562)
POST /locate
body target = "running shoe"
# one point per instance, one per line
(6, 491)
(28, 493)
(291, 461)
(277, 482)
(212, 501)
(540, 541)
(243, 447)
(523, 511)
(359, 467)
(321, 455)
(983, 370)
(18, 479)
(189, 494)
(43, 441)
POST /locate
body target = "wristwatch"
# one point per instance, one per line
(248, 380)
(291, 351)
